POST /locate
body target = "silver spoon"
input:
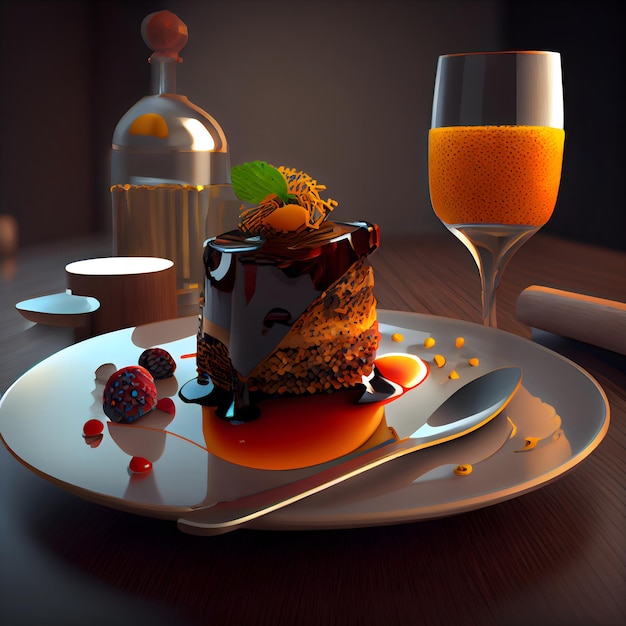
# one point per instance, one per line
(469, 408)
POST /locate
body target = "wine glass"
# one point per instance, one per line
(495, 152)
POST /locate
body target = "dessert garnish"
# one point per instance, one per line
(128, 394)
(286, 200)
(159, 362)
(288, 212)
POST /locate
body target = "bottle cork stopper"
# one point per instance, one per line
(164, 33)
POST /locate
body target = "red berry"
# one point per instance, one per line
(91, 428)
(158, 362)
(139, 465)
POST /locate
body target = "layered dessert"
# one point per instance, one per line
(288, 306)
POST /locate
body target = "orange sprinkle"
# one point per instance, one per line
(531, 442)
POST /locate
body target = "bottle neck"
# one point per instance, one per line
(162, 75)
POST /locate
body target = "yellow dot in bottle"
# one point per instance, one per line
(149, 124)
(474, 362)
(429, 342)
(459, 342)
(463, 470)
(453, 375)
(397, 337)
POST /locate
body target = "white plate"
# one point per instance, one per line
(557, 418)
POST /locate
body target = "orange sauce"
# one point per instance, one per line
(298, 431)
(403, 369)
(294, 432)
(495, 174)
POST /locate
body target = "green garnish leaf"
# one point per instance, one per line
(253, 182)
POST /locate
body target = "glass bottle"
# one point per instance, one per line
(170, 170)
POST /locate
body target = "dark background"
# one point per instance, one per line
(340, 89)
(590, 37)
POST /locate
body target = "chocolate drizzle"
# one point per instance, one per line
(325, 255)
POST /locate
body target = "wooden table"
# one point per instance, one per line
(552, 556)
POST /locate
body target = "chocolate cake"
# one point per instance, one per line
(288, 305)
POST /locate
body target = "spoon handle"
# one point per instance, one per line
(227, 516)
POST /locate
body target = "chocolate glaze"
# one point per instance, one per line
(255, 289)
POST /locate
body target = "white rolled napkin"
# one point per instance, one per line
(596, 321)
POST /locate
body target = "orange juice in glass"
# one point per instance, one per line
(495, 153)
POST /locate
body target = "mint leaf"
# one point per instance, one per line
(253, 182)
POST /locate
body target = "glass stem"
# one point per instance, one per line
(490, 266)
(492, 246)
